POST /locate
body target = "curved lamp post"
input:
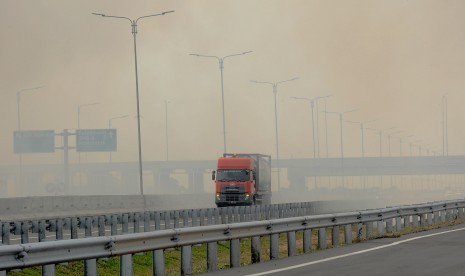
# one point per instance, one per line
(134, 32)
(221, 63)
(275, 92)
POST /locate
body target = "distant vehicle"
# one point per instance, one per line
(243, 179)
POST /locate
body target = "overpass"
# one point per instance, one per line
(193, 176)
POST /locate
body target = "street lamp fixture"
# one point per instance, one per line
(221, 64)
(275, 92)
(134, 32)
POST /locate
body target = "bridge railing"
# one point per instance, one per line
(49, 254)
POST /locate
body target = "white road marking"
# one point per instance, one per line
(351, 254)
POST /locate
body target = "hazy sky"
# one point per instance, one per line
(392, 60)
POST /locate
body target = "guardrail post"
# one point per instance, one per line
(136, 222)
(359, 231)
(422, 218)
(348, 234)
(398, 224)
(158, 263)
(256, 250)
(209, 216)
(90, 266)
(274, 246)
(429, 218)
(101, 226)
(125, 261)
(369, 227)
(415, 221)
(406, 221)
(146, 221)
(436, 217)
(234, 253)
(25, 232)
(186, 260)
(322, 238)
(158, 257)
(380, 229)
(389, 225)
(212, 256)
(335, 236)
(236, 214)
(307, 240)
(5, 233)
(74, 228)
(59, 229)
(167, 220)
(202, 217)
(217, 216)
(291, 244)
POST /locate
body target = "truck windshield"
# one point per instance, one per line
(232, 175)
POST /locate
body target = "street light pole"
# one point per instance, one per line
(275, 92)
(362, 132)
(18, 100)
(221, 64)
(134, 32)
(312, 104)
(341, 115)
(109, 124)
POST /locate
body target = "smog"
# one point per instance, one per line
(316, 81)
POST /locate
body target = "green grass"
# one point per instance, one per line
(142, 263)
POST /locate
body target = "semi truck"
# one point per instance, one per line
(243, 179)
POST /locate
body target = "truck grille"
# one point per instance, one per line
(232, 193)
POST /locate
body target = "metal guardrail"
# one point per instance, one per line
(48, 254)
(135, 222)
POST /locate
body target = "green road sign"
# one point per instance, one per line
(39, 141)
(88, 140)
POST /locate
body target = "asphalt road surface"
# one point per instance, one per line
(435, 252)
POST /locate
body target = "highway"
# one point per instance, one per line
(435, 252)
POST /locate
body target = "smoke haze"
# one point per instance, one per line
(393, 61)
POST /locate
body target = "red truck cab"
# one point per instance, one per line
(236, 180)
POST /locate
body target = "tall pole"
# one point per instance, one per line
(312, 104)
(109, 127)
(221, 64)
(134, 32)
(318, 122)
(18, 100)
(326, 130)
(341, 115)
(275, 92)
(362, 128)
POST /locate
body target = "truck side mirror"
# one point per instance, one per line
(254, 177)
(213, 175)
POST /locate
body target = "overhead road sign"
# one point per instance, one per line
(34, 141)
(89, 140)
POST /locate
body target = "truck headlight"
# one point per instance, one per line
(218, 196)
(247, 196)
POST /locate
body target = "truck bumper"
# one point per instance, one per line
(222, 200)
